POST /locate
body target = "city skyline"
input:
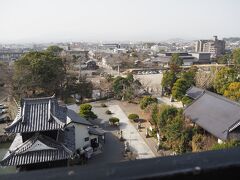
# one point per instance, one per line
(137, 20)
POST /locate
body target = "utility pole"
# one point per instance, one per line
(79, 76)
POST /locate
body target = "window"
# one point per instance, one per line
(86, 139)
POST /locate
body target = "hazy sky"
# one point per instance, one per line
(124, 20)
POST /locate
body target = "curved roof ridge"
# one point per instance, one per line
(12, 153)
(204, 91)
(40, 98)
(65, 148)
(57, 120)
(14, 123)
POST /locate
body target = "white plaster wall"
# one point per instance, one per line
(81, 132)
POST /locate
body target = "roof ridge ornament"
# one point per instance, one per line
(49, 110)
(23, 112)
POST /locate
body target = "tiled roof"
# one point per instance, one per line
(76, 118)
(214, 113)
(37, 149)
(96, 131)
(194, 92)
(39, 114)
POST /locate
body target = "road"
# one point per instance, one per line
(132, 136)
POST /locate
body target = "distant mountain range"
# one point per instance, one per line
(178, 40)
(232, 39)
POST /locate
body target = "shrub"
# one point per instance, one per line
(114, 120)
(133, 117)
(225, 145)
(186, 100)
(103, 105)
(108, 112)
(198, 142)
(86, 111)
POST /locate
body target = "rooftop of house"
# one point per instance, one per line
(75, 118)
(214, 113)
(194, 92)
(38, 114)
(96, 131)
(37, 149)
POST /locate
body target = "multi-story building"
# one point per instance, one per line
(216, 47)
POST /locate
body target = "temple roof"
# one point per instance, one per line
(38, 114)
(37, 149)
(214, 113)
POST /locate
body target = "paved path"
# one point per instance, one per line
(168, 102)
(132, 136)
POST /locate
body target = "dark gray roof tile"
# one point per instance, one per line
(214, 113)
(40, 114)
(194, 92)
(77, 119)
(37, 149)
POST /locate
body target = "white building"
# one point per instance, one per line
(84, 133)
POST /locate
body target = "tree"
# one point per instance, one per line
(224, 78)
(224, 59)
(130, 78)
(172, 128)
(39, 71)
(155, 115)
(86, 111)
(166, 112)
(178, 137)
(126, 88)
(179, 89)
(119, 85)
(146, 101)
(233, 91)
(236, 56)
(55, 50)
(169, 78)
(175, 62)
(72, 86)
(189, 76)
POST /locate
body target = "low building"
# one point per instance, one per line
(84, 134)
(203, 58)
(48, 135)
(188, 58)
(8, 56)
(214, 113)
